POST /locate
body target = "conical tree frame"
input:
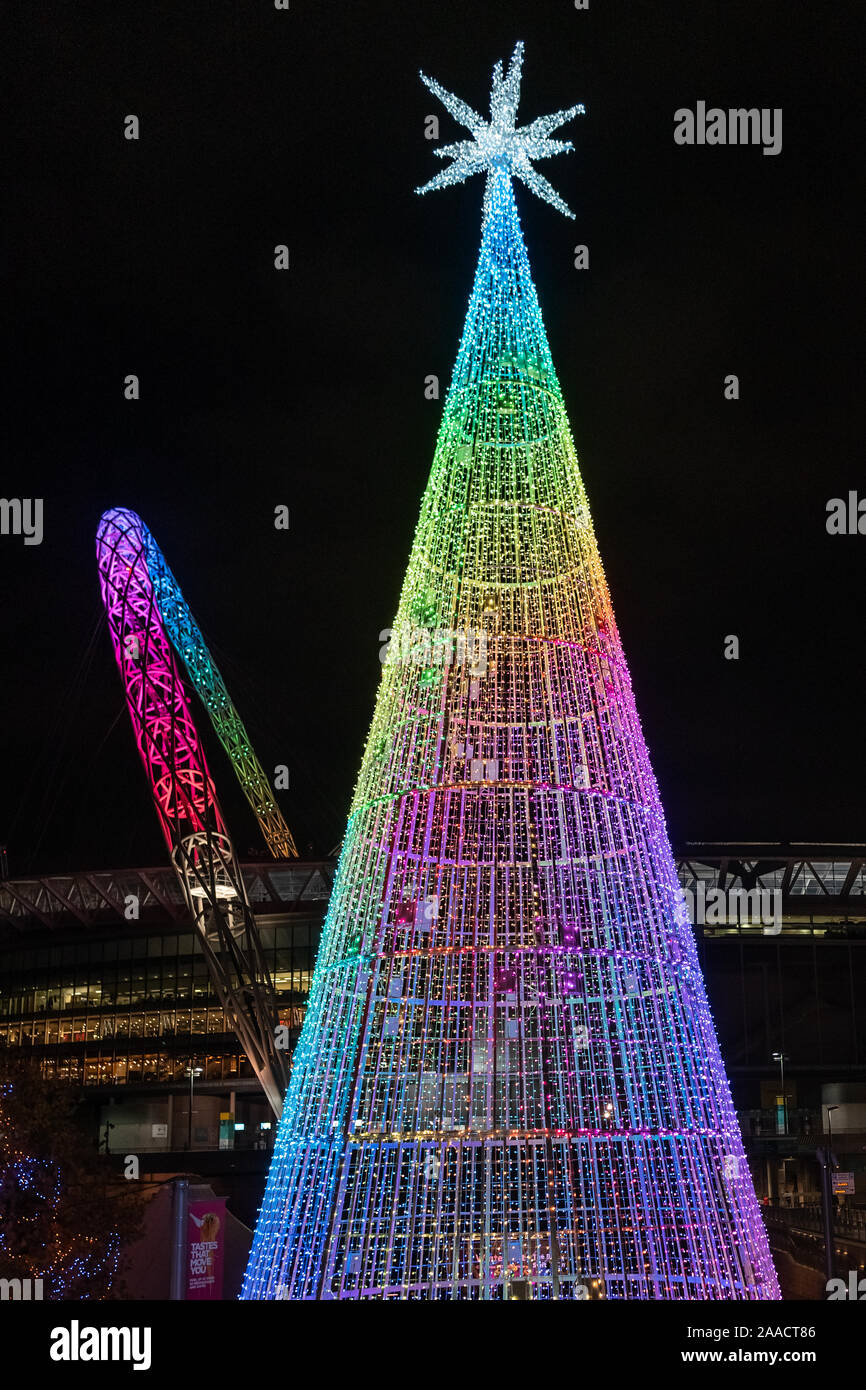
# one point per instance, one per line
(508, 1082)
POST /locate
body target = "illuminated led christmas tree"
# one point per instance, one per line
(508, 1082)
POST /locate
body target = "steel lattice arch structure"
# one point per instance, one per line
(508, 1082)
(146, 614)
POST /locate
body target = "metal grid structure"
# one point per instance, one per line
(210, 687)
(99, 897)
(189, 813)
(508, 1082)
(812, 878)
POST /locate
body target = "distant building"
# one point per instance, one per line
(124, 1008)
(795, 986)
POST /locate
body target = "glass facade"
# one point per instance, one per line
(139, 1008)
(107, 1003)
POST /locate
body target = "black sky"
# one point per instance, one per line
(306, 388)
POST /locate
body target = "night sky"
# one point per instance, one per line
(305, 387)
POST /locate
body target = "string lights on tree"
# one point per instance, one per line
(508, 1081)
(63, 1226)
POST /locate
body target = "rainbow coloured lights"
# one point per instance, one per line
(145, 611)
(153, 591)
(508, 1083)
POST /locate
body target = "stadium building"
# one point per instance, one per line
(126, 1010)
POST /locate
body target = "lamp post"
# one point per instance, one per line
(782, 1058)
(825, 1157)
(192, 1073)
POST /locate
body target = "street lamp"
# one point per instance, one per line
(782, 1058)
(825, 1157)
(192, 1073)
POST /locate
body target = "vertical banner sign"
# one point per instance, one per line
(205, 1242)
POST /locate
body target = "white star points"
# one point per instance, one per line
(499, 144)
